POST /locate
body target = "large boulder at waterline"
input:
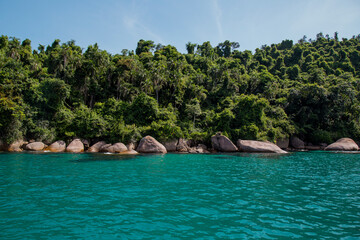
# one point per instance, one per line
(297, 143)
(258, 146)
(58, 146)
(222, 143)
(75, 146)
(35, 146)
(117, 148)
(16, 146)
(343, 144)
(96, 147)
(149, 144)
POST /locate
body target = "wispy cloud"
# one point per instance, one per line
(218, 14)
(140, 30)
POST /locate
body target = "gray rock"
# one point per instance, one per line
(192, 150)
(117, 148)
(283, 143)
(86, 143)
(149, 144)
(201, 148)
(96, 147)
(343, 144)
(105, 147)
(222, 143)
(35, 146)
(129, 152)
(297, 143)
(76, 146)
(182, 146)
(58, 146)
(16, 146)
(170, 145)
(131, 146)
(258, 146)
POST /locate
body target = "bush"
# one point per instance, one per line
(249, 132)
(320, 136)
(88, 124)
(163, 130)
(120, 132)
(43, 132)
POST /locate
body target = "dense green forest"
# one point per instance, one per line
(310, 89)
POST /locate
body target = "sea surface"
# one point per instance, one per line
(304, 195)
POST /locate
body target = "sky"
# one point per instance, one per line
(120, 24)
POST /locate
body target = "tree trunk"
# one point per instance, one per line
(91, 101)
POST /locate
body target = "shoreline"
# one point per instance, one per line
(289, 151)
(148, 144)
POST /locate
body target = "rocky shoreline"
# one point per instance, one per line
(148, 144)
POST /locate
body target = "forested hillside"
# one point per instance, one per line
(309, 89)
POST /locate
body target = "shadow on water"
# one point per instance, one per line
(252, 155)
(342, 152)
(95, 157)
(70, 157)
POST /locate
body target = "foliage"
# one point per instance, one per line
(310, 88)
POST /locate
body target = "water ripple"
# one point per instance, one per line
(234, 196)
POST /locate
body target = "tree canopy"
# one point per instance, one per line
(309, 89)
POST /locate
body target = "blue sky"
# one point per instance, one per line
(117, 25)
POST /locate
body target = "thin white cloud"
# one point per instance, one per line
(218, 13)
(136, 28)
(129, 22)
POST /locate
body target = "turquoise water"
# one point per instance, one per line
(180, 196)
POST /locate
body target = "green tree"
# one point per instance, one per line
(193, 109)
(144, 46)
(54, 93)
(190, 47)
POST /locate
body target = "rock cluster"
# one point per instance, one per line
(184, 146)
(96, 147)
(148, 144)
(16, 146)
